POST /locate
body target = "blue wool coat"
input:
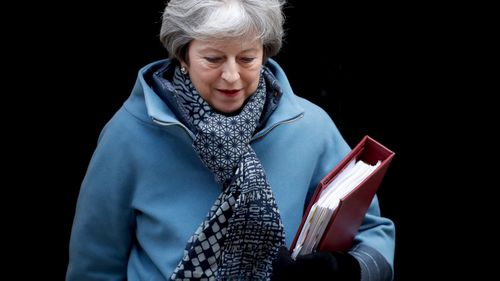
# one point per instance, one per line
(146, 191)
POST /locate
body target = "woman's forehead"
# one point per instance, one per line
(241, 44)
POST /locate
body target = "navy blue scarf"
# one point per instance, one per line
(242, 232)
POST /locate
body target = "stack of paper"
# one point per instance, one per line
(323, 209)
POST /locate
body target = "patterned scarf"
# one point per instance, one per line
(242, 232)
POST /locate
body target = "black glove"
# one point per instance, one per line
(316, 266)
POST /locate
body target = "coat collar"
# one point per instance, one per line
(147, 105)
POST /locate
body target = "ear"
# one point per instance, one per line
(184, 69)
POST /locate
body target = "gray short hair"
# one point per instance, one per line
(185, 20)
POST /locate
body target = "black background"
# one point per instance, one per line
(377, 71)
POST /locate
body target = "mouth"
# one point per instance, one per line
(230, 92)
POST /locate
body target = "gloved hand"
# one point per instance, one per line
(316, 266)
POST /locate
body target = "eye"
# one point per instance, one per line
(247, 59)
(213, 59)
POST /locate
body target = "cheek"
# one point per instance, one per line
(204, 78)
(252, 79)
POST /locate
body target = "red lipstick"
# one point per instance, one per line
(229, 92)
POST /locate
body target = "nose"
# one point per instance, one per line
(230, 72)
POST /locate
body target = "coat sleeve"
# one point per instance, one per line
(374, 244)
(103, 225)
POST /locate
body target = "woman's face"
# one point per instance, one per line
(225, 71)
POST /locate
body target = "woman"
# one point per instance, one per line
(204, 172)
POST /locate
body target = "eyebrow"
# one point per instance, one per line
(214, 48)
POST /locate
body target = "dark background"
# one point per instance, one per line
(377, 71)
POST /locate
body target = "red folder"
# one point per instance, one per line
(351, 210)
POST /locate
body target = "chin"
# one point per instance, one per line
(228, 109)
